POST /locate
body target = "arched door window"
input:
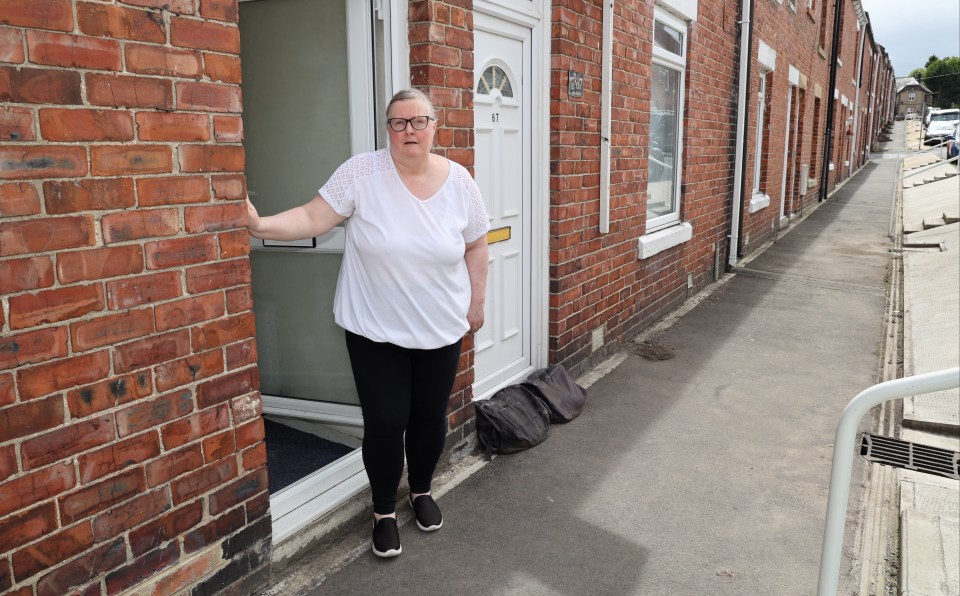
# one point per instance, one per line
(492, 78)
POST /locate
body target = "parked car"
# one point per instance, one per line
(930, 112)
(941, 125)
(953, 145)
(912, 116)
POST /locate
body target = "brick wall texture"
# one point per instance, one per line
(131, 437)
(131, 443)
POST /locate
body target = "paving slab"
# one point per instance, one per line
(935, 199)
(939, 440)
(912, 162)
(932, 323)
(930, 554)
(934, 174)
(930, 494)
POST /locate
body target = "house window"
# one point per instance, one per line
(814, 139)
(758, 161)
(912, 96)
(666, 112)
(823, 24)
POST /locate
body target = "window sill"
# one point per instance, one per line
(759, 201)
(659, 241)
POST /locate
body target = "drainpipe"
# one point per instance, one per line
(872, 121)
(740, 160)
(606, 92)
(854, 149)
(828, 135)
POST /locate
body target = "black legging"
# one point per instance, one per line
(401, 390)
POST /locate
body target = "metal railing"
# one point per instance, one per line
(844, 447)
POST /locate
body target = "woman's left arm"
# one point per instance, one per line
(477, 259)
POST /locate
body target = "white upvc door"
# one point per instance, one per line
(505, 348)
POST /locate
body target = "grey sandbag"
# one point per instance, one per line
(558, 391)
(512, 420)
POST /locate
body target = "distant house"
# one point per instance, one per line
(912, 96)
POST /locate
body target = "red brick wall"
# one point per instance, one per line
(130, 438)
(596, 279)
(441, 63)
(794, 36)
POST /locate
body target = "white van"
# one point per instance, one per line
(941, 125)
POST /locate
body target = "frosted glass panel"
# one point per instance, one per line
(302, 351)
(296, 112)
(296, 120)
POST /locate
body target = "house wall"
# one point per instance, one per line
(597, 282)
(131, 448)
(919, 102)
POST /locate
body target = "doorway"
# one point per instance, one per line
(506, 347)
(315, 83)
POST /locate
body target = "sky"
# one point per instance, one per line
(912, 30)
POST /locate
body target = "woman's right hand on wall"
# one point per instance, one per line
(253, 218)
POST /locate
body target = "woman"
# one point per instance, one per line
(412, 282)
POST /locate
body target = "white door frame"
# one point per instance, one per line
(537, 123)
(786, 158)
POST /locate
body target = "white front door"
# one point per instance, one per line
(502, 53)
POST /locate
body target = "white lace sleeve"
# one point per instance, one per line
(478, 222)
(337, 190)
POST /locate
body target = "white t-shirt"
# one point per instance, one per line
(403, 278)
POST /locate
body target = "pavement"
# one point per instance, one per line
(703, 473)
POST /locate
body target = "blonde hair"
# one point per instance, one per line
(406, 94)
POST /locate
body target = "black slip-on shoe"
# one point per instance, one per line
(429, 518)
(386, 537)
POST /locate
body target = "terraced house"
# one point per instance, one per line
(155, 360)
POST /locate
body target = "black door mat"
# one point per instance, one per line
(910, 456)
(293, 454)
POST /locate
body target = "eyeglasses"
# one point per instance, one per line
(417, 122)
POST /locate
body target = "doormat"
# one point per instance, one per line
(293, 454)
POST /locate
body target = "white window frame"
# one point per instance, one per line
(758, 145)
(678, 63)
(912, 96)
(759, 199)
